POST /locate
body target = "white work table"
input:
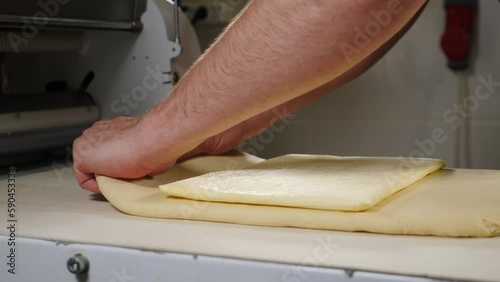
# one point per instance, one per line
(53, 208)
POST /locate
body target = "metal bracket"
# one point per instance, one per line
(177, 48)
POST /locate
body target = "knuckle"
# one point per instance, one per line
(100, 124)
(87, 131)
(76, 143)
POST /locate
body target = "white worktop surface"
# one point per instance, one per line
(51, 206)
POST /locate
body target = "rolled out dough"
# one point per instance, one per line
(308, 181)
(453, 203)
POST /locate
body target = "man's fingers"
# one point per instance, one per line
(110, 140)
(91, 185)
(87, 181)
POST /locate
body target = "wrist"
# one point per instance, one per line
(161, 138)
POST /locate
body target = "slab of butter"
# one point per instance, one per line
(308, 181)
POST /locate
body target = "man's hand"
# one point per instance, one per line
(113, 148)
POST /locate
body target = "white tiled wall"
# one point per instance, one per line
(402, 99)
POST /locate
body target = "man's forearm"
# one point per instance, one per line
(262, 121)
(274, 52)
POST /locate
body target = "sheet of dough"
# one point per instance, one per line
(308, 181)
(453, 203)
